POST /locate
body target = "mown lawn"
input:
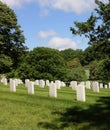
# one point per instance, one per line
(21, 111)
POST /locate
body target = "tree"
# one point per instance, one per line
(11, 37)
(70, 54)
(5, 64)
(90, 55)
(93, 68)
(74, 63)
(96, 28)
(43, 63)
(77, 74)
(103, 70)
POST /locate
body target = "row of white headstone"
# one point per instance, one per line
(53, 86)
(80, 88)
(4, 81)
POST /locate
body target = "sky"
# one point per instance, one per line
(46, 23)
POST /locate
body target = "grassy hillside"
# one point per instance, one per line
(21, 111)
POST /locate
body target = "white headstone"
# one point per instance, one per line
(20, 81)
(80, 93)
(63, 84)
(105, 86)
(101, 85)
(82, 83)
(58, 84)
(16, 82)
(27, 81)
(88, 85)
(51, 82)
(42, 83)
(47, 83)
(52, 90)
(30, 87)
(12, 85)
(73, 85)
(4, 81)
(95, 86)
(37, 82)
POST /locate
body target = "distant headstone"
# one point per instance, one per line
(20, 81)
(53, 90)
(63, 84)
(80, 93)
(4, 81)
(16, 82)
(30, 87)
(42, 83)
(27, 81)
(12, 85)
(51, 82)
(88, 84)
(58, 84)
(101, 85)
(95, 87)
(82, 83)
(105, 86)
(47, 83)
(73, 85)
(36, 82)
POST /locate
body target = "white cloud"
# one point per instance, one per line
(16, 3)
(45, 34)
(12, 3)
(77, 6)
(61, 43)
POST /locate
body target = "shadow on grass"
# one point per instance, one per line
(95, 117)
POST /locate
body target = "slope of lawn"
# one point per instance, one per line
(21, 111)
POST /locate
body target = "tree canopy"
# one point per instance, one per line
(96, 28)
(11, 37)
(43, 63)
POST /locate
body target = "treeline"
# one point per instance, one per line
(93, 63)
(66, 65)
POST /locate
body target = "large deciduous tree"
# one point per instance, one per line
(96, 28)
(11, 37)
(5, 63)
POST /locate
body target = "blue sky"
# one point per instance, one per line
(47, 22)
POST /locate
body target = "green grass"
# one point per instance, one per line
(21, 111)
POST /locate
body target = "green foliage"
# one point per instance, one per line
(70, 54)
(96, 28)
(73, 63)
(77, 74)
(91, 54)
(93, 68)
(5, 63)
(43, 63)
(11, 37)
(103, 70)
